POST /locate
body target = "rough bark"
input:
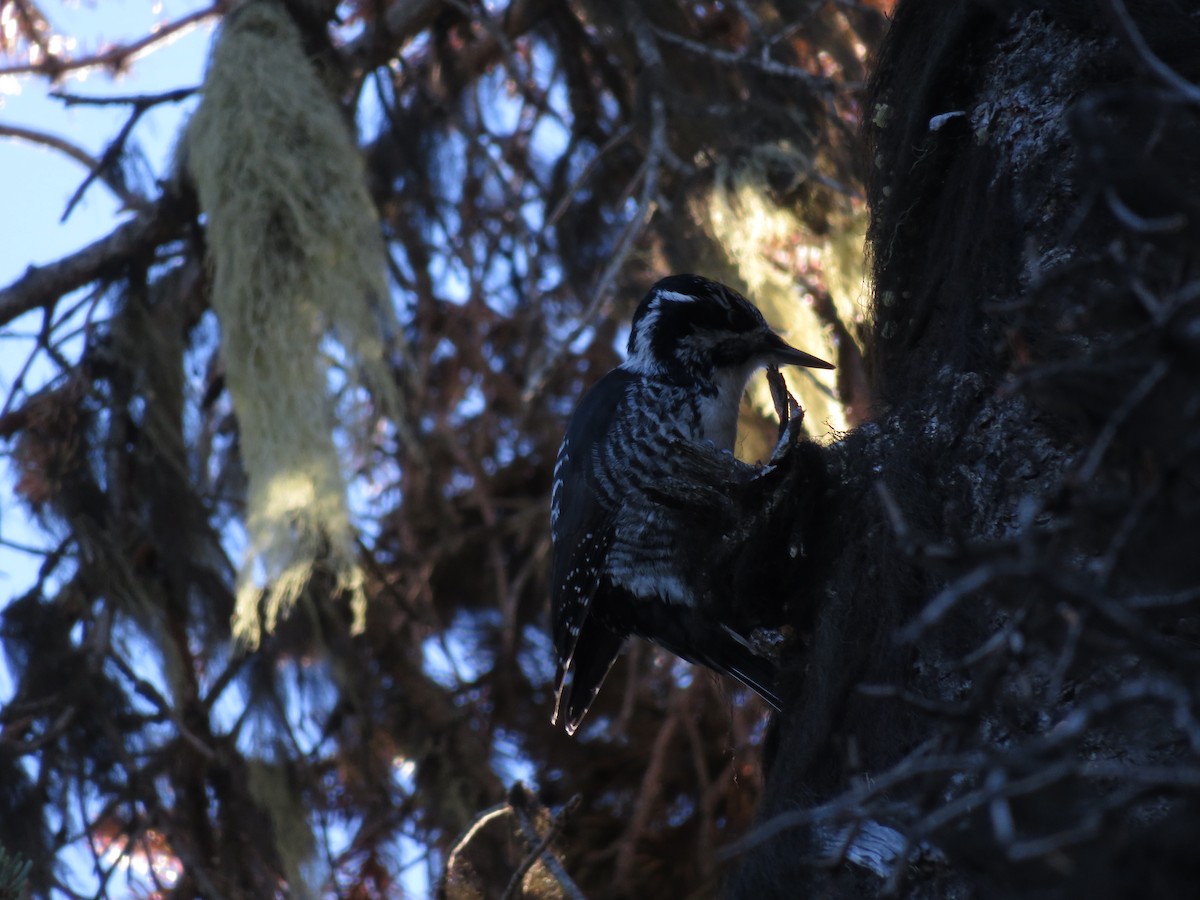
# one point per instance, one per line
(1002, 666)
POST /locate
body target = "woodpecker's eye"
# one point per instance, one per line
(717, 348)
(732, 351)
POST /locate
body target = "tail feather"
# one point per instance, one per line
(595, 652)
(756, 673)
(722, 650)
(686, 633)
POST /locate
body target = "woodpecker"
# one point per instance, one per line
(617, 567)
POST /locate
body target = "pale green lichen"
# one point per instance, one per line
(742, 215)
(297, 257)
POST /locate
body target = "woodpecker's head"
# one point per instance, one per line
(690, 329)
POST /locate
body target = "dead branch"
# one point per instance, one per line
(44, 286)
(115, 59)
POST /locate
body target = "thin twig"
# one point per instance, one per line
(518, 799)
(42, 286)
(763, 64)
(947, 598)
(651, 785)
(619, 137)
(1153, 62)
(647, 204)
(115, 58)
(1133, 399)
(96, 167)
(108, 166)
(143, 100)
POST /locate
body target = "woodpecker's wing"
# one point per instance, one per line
(702, 479)
(582, 516)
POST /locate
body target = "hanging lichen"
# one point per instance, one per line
(297, 259)
(767, 242)
(277, 794)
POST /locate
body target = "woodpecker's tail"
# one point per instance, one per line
(579, 682)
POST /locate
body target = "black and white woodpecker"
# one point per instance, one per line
(692, 347)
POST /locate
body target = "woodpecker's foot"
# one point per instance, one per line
(791, 416)
(791, 433)
(780, 396)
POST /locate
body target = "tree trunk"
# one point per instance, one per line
(997, 693)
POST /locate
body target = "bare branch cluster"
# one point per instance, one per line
(534, 164)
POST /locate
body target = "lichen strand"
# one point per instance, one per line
(298, 261)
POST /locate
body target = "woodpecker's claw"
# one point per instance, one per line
(790, 435)
(780, 396)
(791, 416)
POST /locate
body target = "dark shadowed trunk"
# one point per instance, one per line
(998, 690)
(993, 685)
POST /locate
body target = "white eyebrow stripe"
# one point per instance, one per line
(675, 297)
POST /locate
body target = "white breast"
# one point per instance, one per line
(719, 412)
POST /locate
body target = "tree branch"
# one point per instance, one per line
(115, 58)
(43, 286)
(98, 168)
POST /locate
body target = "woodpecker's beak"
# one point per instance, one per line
(781, 353)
